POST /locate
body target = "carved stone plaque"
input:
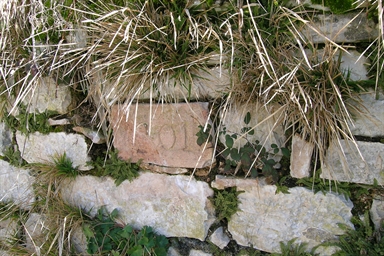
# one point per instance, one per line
(161, 134)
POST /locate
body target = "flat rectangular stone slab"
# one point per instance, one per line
(164, 135)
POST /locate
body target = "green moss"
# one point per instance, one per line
(226, 203)
(336, 6)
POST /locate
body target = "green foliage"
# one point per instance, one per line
(226, 203)
(291, 249)
(203, 135)
(116, 168)
(336, 6)
(250, 157)
(64, 166)
(28, 122)
(13, 156)
(363, 240)
(105, 236)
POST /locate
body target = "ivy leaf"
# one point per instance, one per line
(286, 152)
(247, 118)
(228, 141)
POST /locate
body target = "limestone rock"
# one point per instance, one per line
(350, 166)
(35, 230)
(371, 122)
(8, 228)
(164, 135)
(172, 252)
(265, 218)
(40, 148)
(79, 241)
(301, 155)
(219, 238)
(48, 95)
(5, 138)
(173, 205)
(163, 169)
(194, 252)
(268, 128)
(377, 213)
(342, 28)
(16, 185)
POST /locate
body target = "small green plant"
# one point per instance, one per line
(251, 157)
(336, 6)
(226, 203)
(116, 168)
(64, 166)
(13, 156)
(105, 236)
(363, 240)
(291, 249)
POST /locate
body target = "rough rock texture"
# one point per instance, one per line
(40, 148)
(163, 135)
(8, 228)
(371, 122)
(35, 230)
(354, 64)
(301, 155)
(163, 169)
(172, 205)
(79, 241)
(16, 185)
(265, 218)
(377, 213)
(219, 238)
(198, 253)
(48, 95)
(268, 128)
(335, 28)
(5, 138)
(354, 168)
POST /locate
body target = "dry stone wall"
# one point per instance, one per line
(178, 205)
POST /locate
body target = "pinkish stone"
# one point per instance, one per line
(164, 135)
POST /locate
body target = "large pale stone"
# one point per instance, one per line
(40, 148)
(267, 126)
(48, 95)
(348, 165)
(163, 134)
(371, 122)
(301, 156)
(173, 205)
(16, 185)
(5, 138)
(265, 218)
(342, 28)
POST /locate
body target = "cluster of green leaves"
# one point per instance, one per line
(204, 134)
(29, 122)
(13, 156)
(226, 203)
(291, 249)
(251, 156)
(116, 168)
(105, 236)
(362, 240)
(64, 166)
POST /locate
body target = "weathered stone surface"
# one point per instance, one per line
(268, 128)
(172, 252)
(35, 230)
(163, 169)
(301, 155)
(219, 238)
(8, 228)
(371, 122)
(194, 252)
(377, 213)
(4, 253)
(48, 95)
(40, 148)
(342, 28)
(352, 167)
(163, 135)
(172, 205)
(5, 138)
(265, 218)
(79, 241)
(16, 185)
(354, 64)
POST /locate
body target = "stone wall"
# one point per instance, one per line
(169, 198)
